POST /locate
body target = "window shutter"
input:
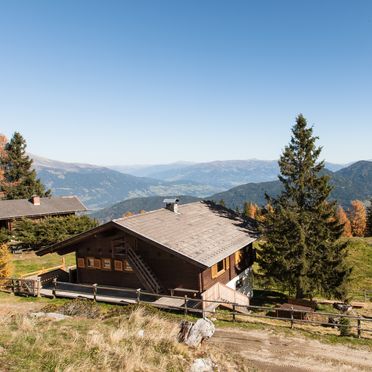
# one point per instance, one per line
(97, 263)
(118, 265)
(81, 263)
(214, 271)
(227, 263)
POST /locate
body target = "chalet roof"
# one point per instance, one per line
(202, 231)
(48, 206)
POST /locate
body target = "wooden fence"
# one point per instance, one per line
(124, 296)
(21, 286)
(196, 306)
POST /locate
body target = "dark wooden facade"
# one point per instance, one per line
(102, 259)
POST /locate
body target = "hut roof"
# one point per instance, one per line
(19, 208)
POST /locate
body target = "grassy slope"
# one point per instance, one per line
(110, 341)
(360, 258)
(29, 262)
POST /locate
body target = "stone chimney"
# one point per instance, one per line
(35, 200)
(171, 204)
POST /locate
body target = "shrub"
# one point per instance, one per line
(344, 326)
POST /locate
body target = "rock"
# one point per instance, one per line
(194, 334)
(141, 333)
(202, 365)
(53, 316)
(342, 307)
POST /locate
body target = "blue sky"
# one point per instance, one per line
(128, 82)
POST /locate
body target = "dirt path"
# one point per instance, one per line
(278, 353)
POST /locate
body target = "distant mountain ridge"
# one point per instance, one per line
(222, 174)
(99, 187)
(352, 182)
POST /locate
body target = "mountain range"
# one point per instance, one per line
(99, 187)
(352, 182)
(219, 174)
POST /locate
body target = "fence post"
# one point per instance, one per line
(54, 290)
(94, 292)
(13, 286)
(234, 310)
(185, 304)
(138, 295)
(292, 321)
(38, 287)
(359, 327)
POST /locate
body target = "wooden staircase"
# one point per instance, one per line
(144, 272)
(226, 297)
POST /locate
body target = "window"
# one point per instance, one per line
(106, 263)
(90, 262)
(118, 265)
(97, 263)
(220, 267)
(81, 263)
(127, 266)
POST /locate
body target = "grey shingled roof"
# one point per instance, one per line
(54, 205)
(201, 231)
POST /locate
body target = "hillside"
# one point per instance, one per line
(137, 204)
(99, 187)
(352, 182)
(219, 174)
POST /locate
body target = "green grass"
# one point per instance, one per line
(28, 262)
(360, 259)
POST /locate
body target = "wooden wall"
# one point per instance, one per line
(233, 271)
(171, 271)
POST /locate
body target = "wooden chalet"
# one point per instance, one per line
(36, 208)
(180, 248)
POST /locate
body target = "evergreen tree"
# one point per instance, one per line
(303, 252)
(19, 179)
(49, 230)
(222, 203)
(369, 219)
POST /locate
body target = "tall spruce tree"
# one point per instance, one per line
(303, 252)
(19, 179)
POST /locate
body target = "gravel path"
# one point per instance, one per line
(278, 353)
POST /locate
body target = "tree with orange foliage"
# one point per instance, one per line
(127, 214)
(250, 209)
(343, 219)
(5, 261)
(358, 218)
